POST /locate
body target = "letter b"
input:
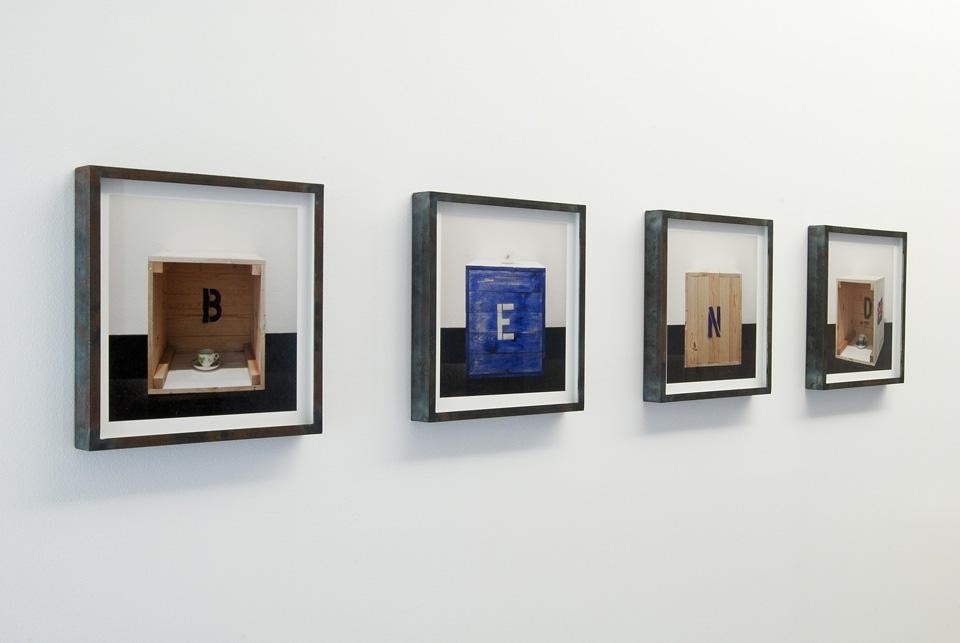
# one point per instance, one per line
(211, 302)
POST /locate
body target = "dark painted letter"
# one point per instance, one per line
(713, 322)
(211, 301)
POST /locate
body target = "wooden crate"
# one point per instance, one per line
(713, 323)
(505, 319)
(859, 313)
(205, 302)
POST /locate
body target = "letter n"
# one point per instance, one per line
(713, 322)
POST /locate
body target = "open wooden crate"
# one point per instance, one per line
(860, 314)
(205, 302)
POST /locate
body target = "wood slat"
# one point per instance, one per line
(220, 343)
(157, 331)
(252, 366)
(163, 367)
(194, 326)
(193, 285)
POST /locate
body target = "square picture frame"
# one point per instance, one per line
(856, 307)
(708, 306)
(198, 308)
(498, 307)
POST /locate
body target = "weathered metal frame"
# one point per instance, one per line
(655, 306)
(818, 263)
(88, 180)
(424, 358)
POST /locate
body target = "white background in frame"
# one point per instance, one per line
(856, 256)
(273, 225)
(853, 255)
(479, 232)
(550, 238)
(707, 246)
(141, 227)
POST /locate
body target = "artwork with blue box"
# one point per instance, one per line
(498, 306)
(505, 319)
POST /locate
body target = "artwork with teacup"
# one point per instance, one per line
(209, 306)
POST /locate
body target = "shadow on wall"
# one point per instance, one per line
(175, 468)
(465, 438)
(820, 404)
(669, 417)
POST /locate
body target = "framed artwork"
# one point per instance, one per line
(498, 306)
(198, 308)
(856, 291)
(708, 297)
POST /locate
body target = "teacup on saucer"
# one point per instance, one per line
(206, 357)
(206, 360)
(200, 367)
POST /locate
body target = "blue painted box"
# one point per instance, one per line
(505, 319)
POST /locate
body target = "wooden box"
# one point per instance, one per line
(505, 319)
(859, 319)
(205, 302)
(713, 323)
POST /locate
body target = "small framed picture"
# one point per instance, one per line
(708, 301)
(198, 311)
(856, 291)
(498, 306)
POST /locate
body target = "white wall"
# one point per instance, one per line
(794, 517)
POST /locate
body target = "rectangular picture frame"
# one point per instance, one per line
(700, 277)
(131, 392)
(883, 350)
(539, 279)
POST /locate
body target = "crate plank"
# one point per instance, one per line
(487, 300)
(162, 370)
(505, 279)
(520, 322)
(522, 343)
(505, 364)
(253, 367)
(222, 343)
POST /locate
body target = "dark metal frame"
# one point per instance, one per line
(655, 306)
(818, 263)
(424, 323)
(87, 325)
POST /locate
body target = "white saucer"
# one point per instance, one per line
(204, 369)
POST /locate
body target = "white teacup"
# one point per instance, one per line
(206, 357)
